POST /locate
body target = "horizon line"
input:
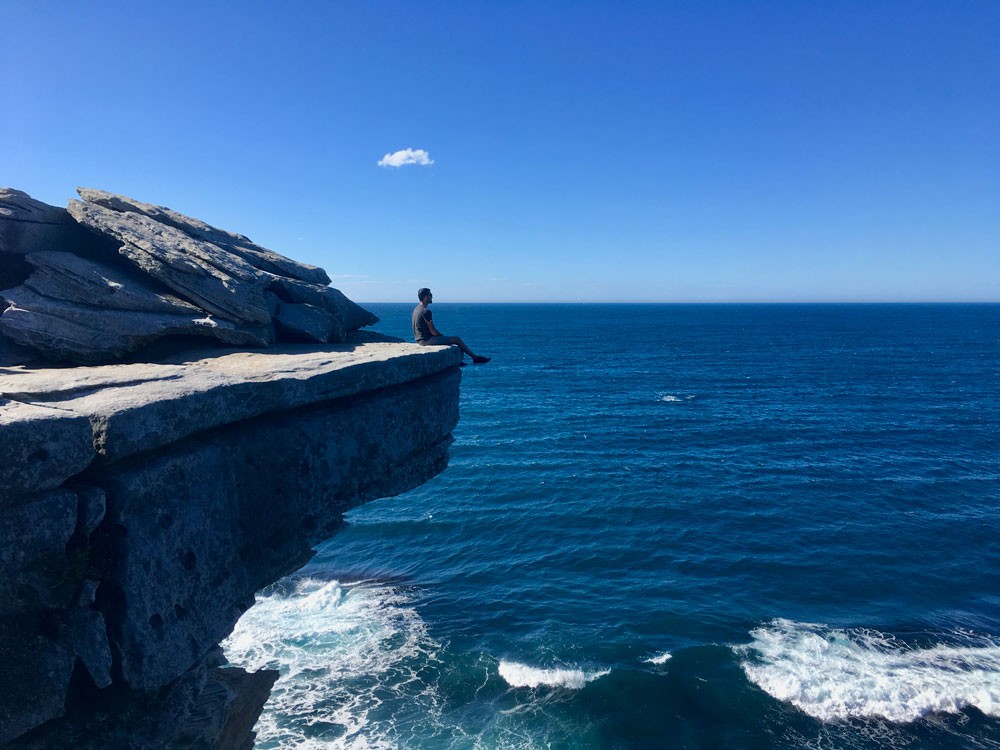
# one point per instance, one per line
(692, 302)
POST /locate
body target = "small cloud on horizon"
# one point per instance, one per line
(406, 156)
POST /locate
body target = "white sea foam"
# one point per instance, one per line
(521, 675)
(660, 659)
(671, 398)
(836, 674)
(342, 652)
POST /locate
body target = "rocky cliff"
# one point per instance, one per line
(143, 503)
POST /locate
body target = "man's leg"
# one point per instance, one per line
(456, 341)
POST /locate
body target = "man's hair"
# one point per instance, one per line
(421, 293)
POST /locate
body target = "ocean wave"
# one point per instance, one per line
(672, 398)
(341, 650)
(835, 674)
(660, 658)
(522, 675)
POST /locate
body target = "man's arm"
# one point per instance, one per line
(430, 324)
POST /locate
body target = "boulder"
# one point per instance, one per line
(206, 274)
(67, 331)
(354, 315)
(112, 275)
(244, 697)
(351, 315)
(69, 277)
(28, 225)
(308, 323)
(260, 257)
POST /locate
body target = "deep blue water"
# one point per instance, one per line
(698, 526)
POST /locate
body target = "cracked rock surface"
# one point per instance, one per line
(112, 276)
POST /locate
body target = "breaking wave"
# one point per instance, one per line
(672, 398)
(836, 674)
(345, 653)
(522, 675)
(661, 658)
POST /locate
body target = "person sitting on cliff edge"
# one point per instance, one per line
(425, 334)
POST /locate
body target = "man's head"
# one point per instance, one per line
(424, 295)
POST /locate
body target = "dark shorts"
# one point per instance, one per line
(437, 341)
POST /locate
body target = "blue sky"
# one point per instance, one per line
(584, 151)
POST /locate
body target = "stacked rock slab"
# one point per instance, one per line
(28, 225)
(112, 275)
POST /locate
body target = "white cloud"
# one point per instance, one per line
(406, 156)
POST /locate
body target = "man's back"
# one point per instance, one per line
(421, 331)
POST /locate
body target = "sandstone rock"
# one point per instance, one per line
(352, 315)
(144, 406)
(192, 482)
(35, 583)
(33, 538)
(202, 528)
(68, 277)
(35, 679)
(14, 269)
(260, 257)
(86, 329)
(90, 509)
(246, 694)
(308, 323)
(11, 354)
(87, 593)
(201, 280)
(273, 303)
(40, 448)
(213, 709)
(66, 331)
(84, 633)
(28, 225)
(214, 279)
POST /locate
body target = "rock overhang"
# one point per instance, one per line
(147, 487)
(58, 421)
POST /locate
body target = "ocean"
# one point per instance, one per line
(669, 526)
